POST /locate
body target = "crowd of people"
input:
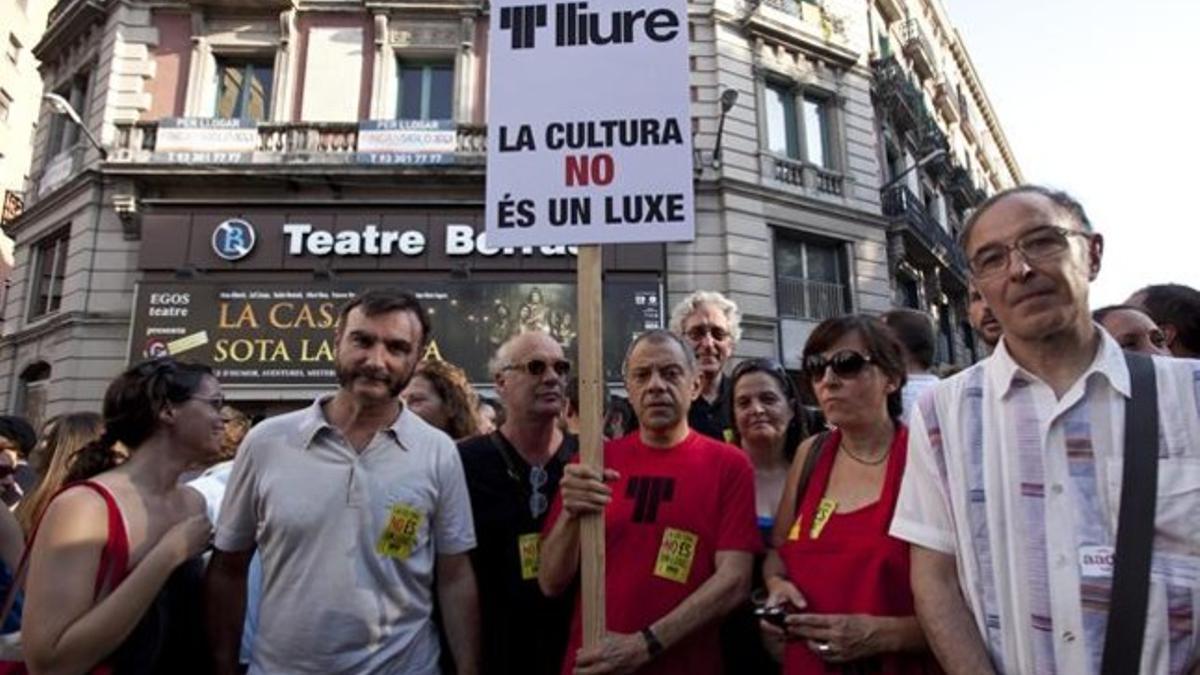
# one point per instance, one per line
(861, 515)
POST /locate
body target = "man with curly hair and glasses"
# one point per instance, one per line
(710, 324)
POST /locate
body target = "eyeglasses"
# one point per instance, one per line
(1040, 243)
(538, 502)
(217, 402)
(537, 367)
(846, 363)
(697, 333)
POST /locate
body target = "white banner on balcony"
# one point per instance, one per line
(206, 134)
(416, 142)
(589, 127)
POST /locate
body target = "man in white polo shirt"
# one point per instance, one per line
(353, 504)
(1015, 470)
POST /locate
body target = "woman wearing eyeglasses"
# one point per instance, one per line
(841, 581)
(102, 588)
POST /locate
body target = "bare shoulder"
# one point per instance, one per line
(77, 515)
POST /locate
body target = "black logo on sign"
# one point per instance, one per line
(575, 26)
(648, 492)
(522, 21)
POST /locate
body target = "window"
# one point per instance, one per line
(910, 294)
(802, 133)
(426, 91)
(816, 131)
(945, 346)
(13, 49)
(810, 278)
(244, 89)
(63, 132)
(782, 138)
(50, 267)
(5, 105)
(32, 394)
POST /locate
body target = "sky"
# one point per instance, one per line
(1100, 98)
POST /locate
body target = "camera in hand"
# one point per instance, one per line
(775, 615)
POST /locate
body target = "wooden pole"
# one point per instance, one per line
(591, 433)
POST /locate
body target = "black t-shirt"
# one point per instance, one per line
(713, 419)
(523, 630)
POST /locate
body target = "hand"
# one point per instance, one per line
(584, 490)
(780, 591)
(617, 654)
(837, 638)
(187, 538)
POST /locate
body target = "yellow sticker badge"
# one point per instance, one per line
(794, 533)
(675, 555)
(399, 536)
(824, 512)
(529, 546)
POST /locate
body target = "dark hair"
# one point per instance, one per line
(881, 343)
(658, 336)
(1099, 314)
(914, 329)
(132, 404)
(1175, 305)
(19, 431)
(497, 406)
(379, 301)
(797, 428)
(1061, 199)
(621, 419)
(461, 402)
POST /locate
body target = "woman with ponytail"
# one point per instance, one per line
(97, 597)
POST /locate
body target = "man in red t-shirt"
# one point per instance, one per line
(680, 532)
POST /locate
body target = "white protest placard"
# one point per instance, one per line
(589, 129)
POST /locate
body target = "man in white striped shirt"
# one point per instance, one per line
(1010, 497)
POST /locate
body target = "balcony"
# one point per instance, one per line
(904, 105)
(918, 48)
(294, 143)
(967, 122)
(907, 213)
(812, 300)
(946, 100)
(805, 175)
(67, 20)
(962, 190)
(803, 25)
(891, 10)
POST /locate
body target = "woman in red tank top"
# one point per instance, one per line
(107, 543)
(842, 580)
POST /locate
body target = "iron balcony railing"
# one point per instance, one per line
(904, 104)
(812, 300)
(903, 207)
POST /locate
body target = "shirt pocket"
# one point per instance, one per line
(1177, 513)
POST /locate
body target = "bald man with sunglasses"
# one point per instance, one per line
(512, 473)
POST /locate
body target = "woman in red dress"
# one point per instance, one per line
(842, 581)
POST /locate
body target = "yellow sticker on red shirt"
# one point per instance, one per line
(529, 547)
(824, 512)
(399, 536)
(675, 555)
(794, 533)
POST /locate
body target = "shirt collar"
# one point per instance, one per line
(1006, 374)
(314, 422)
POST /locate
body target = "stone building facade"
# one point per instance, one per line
(249, 184)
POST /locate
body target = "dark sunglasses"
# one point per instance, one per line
(697, 333)
(6, 471)
(846, 363)
(537, 367)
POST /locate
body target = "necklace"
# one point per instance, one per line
(860, 460)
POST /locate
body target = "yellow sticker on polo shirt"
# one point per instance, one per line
(529, 547)
(824, 512)
(399, 536)
(675, 555)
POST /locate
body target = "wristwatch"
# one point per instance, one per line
(653, 646)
